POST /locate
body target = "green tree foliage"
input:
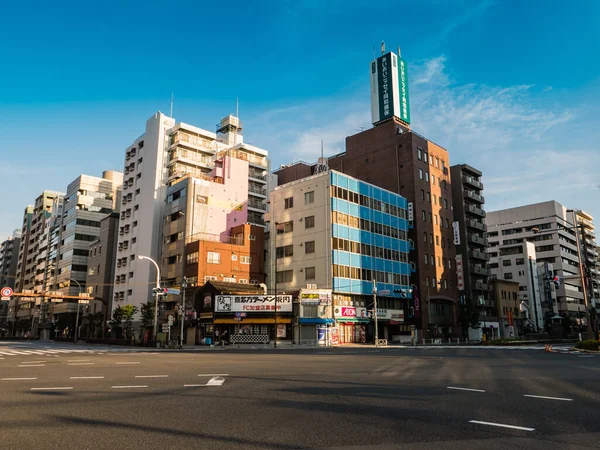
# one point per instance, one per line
(128, 311)
(147, 313)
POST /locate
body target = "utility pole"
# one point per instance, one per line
(182, 318)
(375, 311)
(274, 238)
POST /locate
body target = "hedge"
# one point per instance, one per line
(591, 344)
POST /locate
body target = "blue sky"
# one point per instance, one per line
(510, 87)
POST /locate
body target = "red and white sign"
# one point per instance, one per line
(6, 292)
(344, 311)
(460, 275)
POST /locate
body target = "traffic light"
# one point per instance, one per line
(403, 292)
(159, 291)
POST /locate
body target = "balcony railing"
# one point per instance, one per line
(478, 286)
(198, 141)
(239, 154)
(472, 181)
(214, 238)
(190, 155)
(257, 190)
(472, 223)
(476, 254)
(257, 175)
(257, 205)
(474, 196)
(478, 270)
(475, 210)
(477, 239)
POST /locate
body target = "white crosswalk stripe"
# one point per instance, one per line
(6, 351)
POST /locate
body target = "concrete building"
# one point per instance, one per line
(470, 241)
(165, 153)
(333, 232)
(9, 257)
(505, 295)
(589, 259)
(551, 229)
(101, 267)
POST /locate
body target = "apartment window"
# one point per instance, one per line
(437, 162)
(309, 273)
(429, 197)
(443, 242)
(285, 251)
(133, 240)
(445, 204)
(429, 217)
(137, 191)
(426, 258)
(520, 261)
(439, 259)
(309, 197)
(436, 219)
(431, 238)
(420, 154)
(213, 257)
(434, 199)
(130, 274)
(131, 257)
(288, 203)
(422, 194)
(285, 276)
(286, 227)
(427, 176)
(420, 174)
(136, 207)
(449, 264)
(425, 237)
(245, 259)
(309, 222)
(445, 284)
(309, 247)
(432, 179)
(140, 161)
(508, 276)
(507, 263)
(447, 224)
(424, 215)
(192, 258)
(425, 157)
(437, 240)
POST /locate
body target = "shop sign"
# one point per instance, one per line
(206, 315)
(252, 303)
(281, 330)
(315, 297)
(344, 311)
(335, 339)
(390, 314)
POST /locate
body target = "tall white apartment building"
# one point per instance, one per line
(551, 227)
(165, 153)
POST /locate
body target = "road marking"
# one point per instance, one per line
(585, 356)
(215, 381)
(501, 425)
(549, 398)
(151, 376)
(32, 365)
(194, 385)
(213, 375)
(130, 362)
(17, 379)
(77, 360)
(464, 389)
(130, 387)
(81, 364)
(52, 389)
(85, 378)
(32, 362)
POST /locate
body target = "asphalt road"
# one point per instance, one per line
(327, 398)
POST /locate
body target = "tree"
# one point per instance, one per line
(95, 320)
(147, 313)
(129, 311)
(469, 316)
(116, 322)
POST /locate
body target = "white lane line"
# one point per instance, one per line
(213, 375)
(130, 387)
(194, 385)
(31, 365)
(585, 356)
(63, 388)
(17, 379)
(151, 376)
(464, 389)
(85, 378)
(130, 362)
(77, 360)
(549, 398)
(32, 362)
(81, 364)
(501, 425)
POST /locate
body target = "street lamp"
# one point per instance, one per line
(183, 286)
(77, 317)
(156, 298)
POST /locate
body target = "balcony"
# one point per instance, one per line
(206, 145)
(472, 182)
(473, 196)
(255, 204)
(190, 157)
(256, 160)
(253, 189)
(479, 286)
(477, 240)
(476, 224)
(257, 176)
(474, 210)
(479, 270)
(476, 254)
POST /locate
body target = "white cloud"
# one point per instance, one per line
(516, 135)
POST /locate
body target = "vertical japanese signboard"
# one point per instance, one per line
(386, 90)
(460, 275)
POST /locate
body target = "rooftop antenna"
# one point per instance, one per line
(374, 52)
(382, 47)
(237, 107)
(171, 109)
(399, 54)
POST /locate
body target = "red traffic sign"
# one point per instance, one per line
(6, 292)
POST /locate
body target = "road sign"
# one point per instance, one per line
(83, 302)
(171, 320)
(5, 298)
(6, 292)
(173, 291)
(165, 327)
(384, 292)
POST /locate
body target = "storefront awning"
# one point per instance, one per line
(314, 321)
(352, 320)
(250, 320)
